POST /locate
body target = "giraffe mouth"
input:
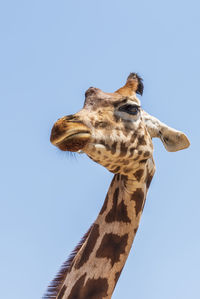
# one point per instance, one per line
(69, 134)
(73, 142)
(73, 139)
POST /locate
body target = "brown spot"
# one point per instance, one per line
(123, 149)
(95, 289)
(122, 214)
(92, 289)
(100, 124)
(126, 162)
(136, 158)
(143, 161)
(117, 275)
(148, 180)
(62, 292)
(127, 170)
(91, 241)
(135, 230)
(124, 178)
(77, 288)
(147, 154)
(102, 142)
(118, 177)
(141, 140)
(118, 211)
(112, 212)
(138, 197)
(113, 181)
(131, 151)
(133, 137)
(138, 174)
(112, 246)
(113, 148)
(115, 170)
(103, 209)
(126, 129)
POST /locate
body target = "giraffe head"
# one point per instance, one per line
(113, 130)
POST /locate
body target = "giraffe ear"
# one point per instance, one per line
(172, 139)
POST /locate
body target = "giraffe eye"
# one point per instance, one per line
(131, 109)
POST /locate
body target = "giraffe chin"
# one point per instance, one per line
(75, 142)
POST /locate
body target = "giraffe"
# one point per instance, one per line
(114, 131)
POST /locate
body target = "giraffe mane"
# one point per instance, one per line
(56, 284)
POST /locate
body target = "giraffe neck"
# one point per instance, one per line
(94, 270)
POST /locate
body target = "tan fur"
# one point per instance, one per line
(120, 140)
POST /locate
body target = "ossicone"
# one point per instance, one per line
(139, 80)
(134, 84)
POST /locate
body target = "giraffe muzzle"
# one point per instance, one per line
(69, 135)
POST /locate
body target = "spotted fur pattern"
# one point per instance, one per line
(121, 143)
(96, 267)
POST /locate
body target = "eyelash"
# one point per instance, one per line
(130, 109)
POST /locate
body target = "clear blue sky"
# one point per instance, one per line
(50, 53)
